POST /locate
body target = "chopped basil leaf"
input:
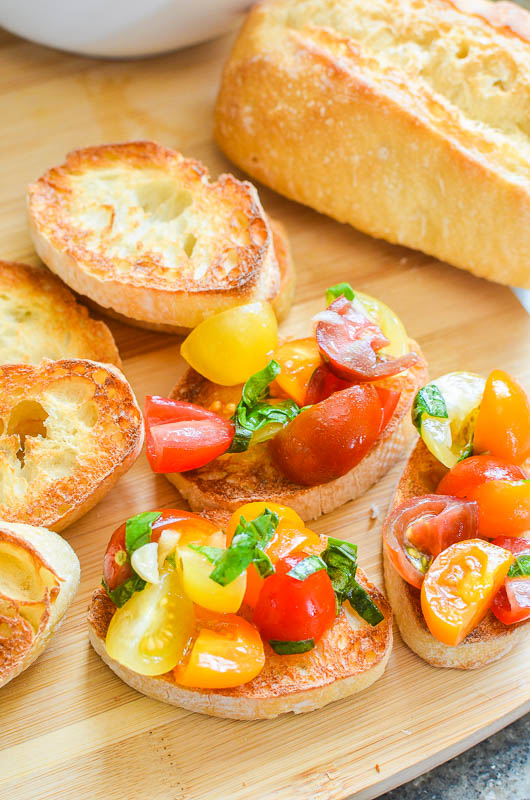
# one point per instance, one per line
(467, 450)
(287, 648)
(341, 560)
(171, 560)
(337, 291)
(306, 567)
(122, 593)
(361, 601)
(248, 543)
(263, 563)
(520, 567)
(138, 530)
(213, 554)
(429, 400)
(253, 412)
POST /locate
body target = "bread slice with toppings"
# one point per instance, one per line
(143, 233)
(40, 318)
(490, 640)
(68, 430)
(234, 479)
(39, 576)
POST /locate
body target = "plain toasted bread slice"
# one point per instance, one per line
(232, 480)
(39, 576)
(141, 231)
(490, 640)
(350, 656)
(68, 430)
(40, 318)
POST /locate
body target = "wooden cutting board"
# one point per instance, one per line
(70, 728)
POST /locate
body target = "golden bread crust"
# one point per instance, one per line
(40, 318)
(408, 120)
(490, 640)
(68, 430)
(232, 480)
(141, 230)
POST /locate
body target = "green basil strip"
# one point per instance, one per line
(287, 648)
(306, 567)
(263, 563)
(520, 567)
(248, 543)
(340, 558)
(213, 554)
(337, 291)
(429, 400)
(361, 601)
(122, 593)
(138, 530)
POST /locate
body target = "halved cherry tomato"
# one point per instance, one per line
(512, 602)
(420, 529)
(350, 341)
(322, 384)
(465, 476)
(116, 563)
(503, 421)
(329, 438)
(189, 437)
(460, 586)
(389, 399)
(289, 609)
(298, 360)
(290, 536)
(228, 651)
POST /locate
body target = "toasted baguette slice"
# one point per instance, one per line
(350, 656)
(490, 640)
(39, 576)
(39, 318)
(232, 480)
(405, 118)
(68, 430)
(142, 232)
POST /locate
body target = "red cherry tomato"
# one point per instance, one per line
(512, 601)
(389, 400)
(503, 422)
(290, 610)
(330, 438)
(350, 342)
(323, 383)
(116, 563)
(421, 528)
(465, 476)
(182, 436)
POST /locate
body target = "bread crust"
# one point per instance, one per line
(141, 231)
(490, 640)
(349, 657)
(68, 430)
(405, 119)
(232, 480)
(40, 318)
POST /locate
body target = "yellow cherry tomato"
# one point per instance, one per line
(298, 360)
(228, 651)
(459, 587)
(503, 422)
(150, 633)
(388, 321)
(229, 347)
(196, 571)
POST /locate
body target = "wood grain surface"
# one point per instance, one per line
(70, 728)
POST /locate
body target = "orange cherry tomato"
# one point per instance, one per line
(460, 586)
(290, 536)
(227, 652)
(298, 360)
(503, 421)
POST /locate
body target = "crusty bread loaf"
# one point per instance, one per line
(232, 480)
(68, 430)
(39, 318)
(39, 576)
(350, 656)
(490, 640)
(142, 232)
(406, 118)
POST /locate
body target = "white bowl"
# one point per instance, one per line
(120, 28)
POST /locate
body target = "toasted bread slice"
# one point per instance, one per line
(142, 232)
(39, 576)
(232, 480)
(68, 430)
(39, 318)
(350, 656)
(490, 640)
